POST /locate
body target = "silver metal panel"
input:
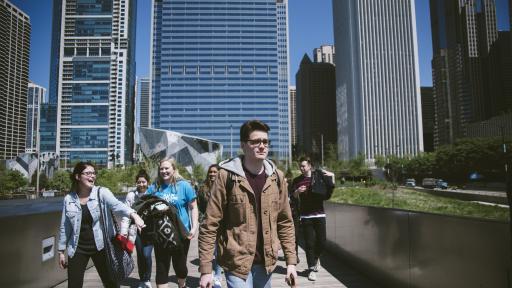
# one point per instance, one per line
(408, 249)
(21, 253)
(458, 252)
(373, 238)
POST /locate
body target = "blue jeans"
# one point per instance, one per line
(144, 260)
(257, 278)
(217, 270)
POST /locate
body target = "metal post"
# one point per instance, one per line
(37, 172)
(322, 148)
(231, 141)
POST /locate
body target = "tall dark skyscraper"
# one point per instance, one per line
(428, 116)
(216, 65)
(462, 34)
(316, 114)
(14, 60)
(93, 80)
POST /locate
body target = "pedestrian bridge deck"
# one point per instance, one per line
(331, 274)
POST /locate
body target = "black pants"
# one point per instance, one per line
(314, 238)
(78, 263)
(163, 259)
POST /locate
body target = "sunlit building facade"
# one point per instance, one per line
(216, 65)
(14, 59)
(377, 78)
(96, 80)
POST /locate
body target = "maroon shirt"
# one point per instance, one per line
(257, 182)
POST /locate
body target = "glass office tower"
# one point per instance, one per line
(96, 80)
(217, 64)
(36, 96)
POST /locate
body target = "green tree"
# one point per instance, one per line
(60, 181)
(357, 166)
(198, 172)
(43, 180)
(380, 161)
(12, 180)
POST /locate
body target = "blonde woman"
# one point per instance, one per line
(178, 192)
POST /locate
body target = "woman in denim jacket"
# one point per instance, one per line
(80, 230)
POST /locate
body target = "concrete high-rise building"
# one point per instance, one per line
(377, 78)
(293, 114)
(462, 34)
(36, 95)
(215, 66)
(428, 118)
(316, 114)
(93, 56)
(324, 54)
(14, 60)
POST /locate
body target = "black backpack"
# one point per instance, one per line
(321, 184)
(163, 226)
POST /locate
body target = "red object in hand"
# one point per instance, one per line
(126, 244)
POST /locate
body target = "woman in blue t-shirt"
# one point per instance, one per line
(171, 187)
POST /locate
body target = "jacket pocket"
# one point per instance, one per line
(236, 210)
(72, 211)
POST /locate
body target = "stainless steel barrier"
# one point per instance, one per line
(400, 248)
(28, 254)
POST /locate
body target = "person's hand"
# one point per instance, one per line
(327, 173)
(291, 273)
(206, 280)
(192, 233)
(62, 260)
(138, 221)
(302, 189)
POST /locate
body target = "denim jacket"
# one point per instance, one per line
(72, 218)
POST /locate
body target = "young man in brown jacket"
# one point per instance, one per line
(248, 216)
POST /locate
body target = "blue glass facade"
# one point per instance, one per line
(95, 90)
(48, 124)
(217, 64)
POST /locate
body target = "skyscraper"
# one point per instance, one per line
(316, 114)
(377, 78)
(325, 54)
(216, 65)
(142, 107)
(428, 115)
(462, 33)
(95, 80)
(14, 55)
(36, 95)
(293, 114)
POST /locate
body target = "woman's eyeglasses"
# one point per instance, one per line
(89, 173)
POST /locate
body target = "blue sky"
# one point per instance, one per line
(310, 25)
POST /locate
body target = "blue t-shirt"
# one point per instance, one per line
(178, 195)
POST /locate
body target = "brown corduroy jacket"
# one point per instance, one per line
(231, 221)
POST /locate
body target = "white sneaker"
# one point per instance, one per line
(317, 265)
(146, 284)
(312, 275)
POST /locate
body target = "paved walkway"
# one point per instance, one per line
(331, 274)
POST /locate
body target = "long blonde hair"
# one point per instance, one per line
(175, 177)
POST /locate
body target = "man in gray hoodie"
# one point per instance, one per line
(249, 213)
